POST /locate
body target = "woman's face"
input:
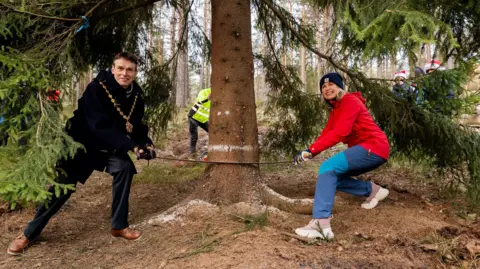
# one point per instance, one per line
(330, 90)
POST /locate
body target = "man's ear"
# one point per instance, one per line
(113, 66)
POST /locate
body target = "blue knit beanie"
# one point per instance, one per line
(332, 77)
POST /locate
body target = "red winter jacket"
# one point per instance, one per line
(350, 122)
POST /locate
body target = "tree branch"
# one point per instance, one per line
(125, 9)
(95, 7)
(304, 41)
(40, 15)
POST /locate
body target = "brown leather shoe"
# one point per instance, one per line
(127, 233)
(18, 245)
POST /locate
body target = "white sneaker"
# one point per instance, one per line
(313, 230)
(382, 193)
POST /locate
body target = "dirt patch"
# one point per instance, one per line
(410, 229)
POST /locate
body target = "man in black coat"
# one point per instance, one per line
(108, 123)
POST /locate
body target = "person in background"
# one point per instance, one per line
(402, 88)
(198, 117)
(429, 94)
(351, 123)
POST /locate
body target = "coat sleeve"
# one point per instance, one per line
(347, 114)
(327, 128)
(140, 130)
(101, 125)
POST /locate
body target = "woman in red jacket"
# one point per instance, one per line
(351, 123)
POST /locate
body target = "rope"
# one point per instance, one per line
(198, 161)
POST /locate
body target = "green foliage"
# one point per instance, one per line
(365, 30)
(433, 88)
(420, 132)
(371, 29)
(296, 116)
(41, 49)
(156, 92)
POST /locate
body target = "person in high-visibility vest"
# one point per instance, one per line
(198, 117)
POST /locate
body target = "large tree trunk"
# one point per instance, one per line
(233, 134)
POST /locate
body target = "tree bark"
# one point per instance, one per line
(428, 52)
(208, 82)
(233, 134)
(323, 39)
(159, 36)
(303, 56)
(182, 63)
(393, 65)
(203, 71)
(173, 45)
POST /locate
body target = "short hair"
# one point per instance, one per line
(127, 56)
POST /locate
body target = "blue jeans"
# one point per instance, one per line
(336, 174)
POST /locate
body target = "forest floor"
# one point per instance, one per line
(415, 227)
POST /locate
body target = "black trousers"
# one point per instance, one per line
(193, 129)
(79, 169)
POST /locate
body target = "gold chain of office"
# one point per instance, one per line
(128, 125)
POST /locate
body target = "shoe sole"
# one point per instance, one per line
(313, 235)
(121, 237)
(380, 196)
(14, 253)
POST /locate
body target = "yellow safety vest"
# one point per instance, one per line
(200, 111)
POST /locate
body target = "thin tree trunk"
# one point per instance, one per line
(451, 63)
(233, 134)
(370, 69)
(420, 57)
(393, 65)
(208, 16)
(173, 45)
(428, 52)
(323, 38)
(263, 88)
(182, 64)
(386, 67)
(159, 37)
(303, 56)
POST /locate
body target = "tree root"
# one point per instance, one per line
(273, 202)
(273, 198)
(181, 210)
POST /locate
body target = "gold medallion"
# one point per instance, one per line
(129, 127)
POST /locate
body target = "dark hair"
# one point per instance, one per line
(127, 56)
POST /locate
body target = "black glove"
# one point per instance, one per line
(150, 152)
(147, 153)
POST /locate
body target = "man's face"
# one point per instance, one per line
(124, 72)
(430, 71)
(330, 90)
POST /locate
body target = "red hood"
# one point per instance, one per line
(358, 95)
